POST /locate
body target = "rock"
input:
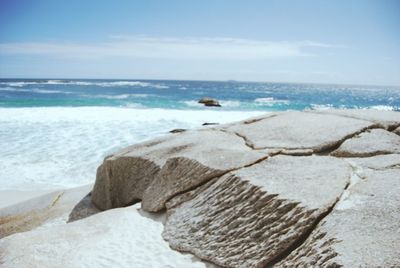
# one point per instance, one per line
(209, 102)
(397, 131)
(250, 217)
(265, 191)
(157, 170)
(296, 130)
(38, 211)
(209, 124)
(370, 143)
(83, 209)
(361, 231)
(177, 130)
(378, 162)
(386, 119)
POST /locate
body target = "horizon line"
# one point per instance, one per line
(201, 80)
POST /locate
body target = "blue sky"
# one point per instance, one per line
(351, 42)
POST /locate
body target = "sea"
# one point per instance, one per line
(55, 133)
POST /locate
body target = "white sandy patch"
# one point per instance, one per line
(115, 238)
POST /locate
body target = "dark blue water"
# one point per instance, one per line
(185, 94)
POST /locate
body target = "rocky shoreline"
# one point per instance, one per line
(307, 189)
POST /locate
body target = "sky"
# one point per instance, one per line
(308, 41)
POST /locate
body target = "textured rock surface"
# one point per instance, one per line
(369, 143)
(378, 162)
(157, 170)
(295, 130)
(386, 119)
(249, 217)
(397, 131)
(362, 230)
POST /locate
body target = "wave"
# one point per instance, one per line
(383, 108)
(117, 97)
(34, 90)
(33, 155)
(269, 101)
(230, 103)
(87, 83)
(321, 106)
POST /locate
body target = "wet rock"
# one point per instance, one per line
(249, 217)
(209, 102)
(370, 143)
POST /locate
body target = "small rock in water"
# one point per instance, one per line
(177, 130)
(209, 102)
(209, 124)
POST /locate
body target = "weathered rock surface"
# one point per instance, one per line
(249, 217)
(362, 230)
(296, 130)
(386, 119)
(397, 131)
(378, 162)
(370, 143)
(155, 171)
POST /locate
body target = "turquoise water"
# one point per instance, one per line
(55, 133)
(184, 94)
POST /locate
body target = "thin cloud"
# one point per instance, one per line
(168, 48)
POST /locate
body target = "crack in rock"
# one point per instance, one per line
(250, 217)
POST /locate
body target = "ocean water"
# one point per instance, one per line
(54, 133)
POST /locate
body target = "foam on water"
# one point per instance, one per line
(46, 148)
(85, 83)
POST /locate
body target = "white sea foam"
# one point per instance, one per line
(34, 90)
(87, 83)
(192, 103)
(321, 106)
(230, 103)
(46, 148)
(269, 101)
(118, 97)
(382, 107)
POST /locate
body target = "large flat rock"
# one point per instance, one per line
(378, 162)
(250, 217)
(362, 230)
(157, 170)
(370, 143)
(297, 130)
(386, 119)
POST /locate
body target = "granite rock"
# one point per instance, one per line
(370, 143)
(250, 217)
